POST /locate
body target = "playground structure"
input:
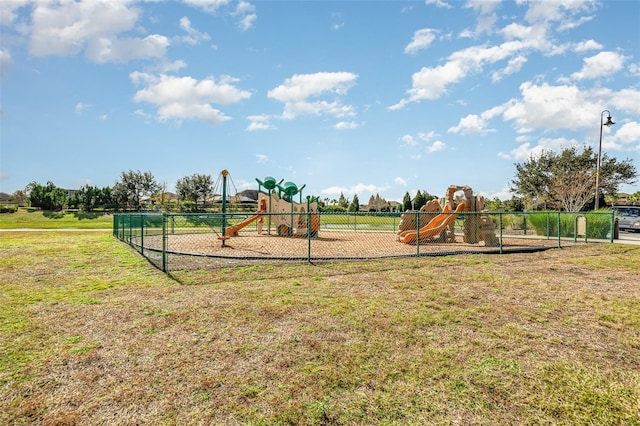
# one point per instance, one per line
(437, 219)
(290, 218)
(173, 241)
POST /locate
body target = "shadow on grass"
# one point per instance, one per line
(52, 215)
(80, 215)
(89, 215)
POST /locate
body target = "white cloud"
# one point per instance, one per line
(338, 21)
(556, 107)
(246, 12)
(525, 151)
(105, 49)
(477, 124)
(422, 39)
(193, 36)
(514, 66)
(430, 83)
(360, 188)
(436, 146)
(503, 194)
(346, 125)
(584, 46)
(5, 60)
(483, 7)
(7, 11)
(81, 107)
(602, 64)
(261, 158)
(243, 11)
(103, 117)
(180, 98)
(629, 133)
(626, 99)
(409, 140)
(296, 92)
(438, 3)
(69, 28)
(550, 11)
(210, 6)
(400, 181)
(260, 122)
(469, 125)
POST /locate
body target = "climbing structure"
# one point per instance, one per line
(437, 219)
(277, 207)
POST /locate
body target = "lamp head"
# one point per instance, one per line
(609, 123)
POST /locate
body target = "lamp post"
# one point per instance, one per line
(609, 123)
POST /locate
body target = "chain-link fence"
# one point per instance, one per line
(210, 240)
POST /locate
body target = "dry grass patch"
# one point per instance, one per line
(95, 335)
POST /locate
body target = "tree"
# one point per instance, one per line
(195, 188)
(343, 201)
(406, 202)
(203, 187)
(355, 204)
(19, 197)
(569, 177)
(47, 197)
(419, 200)
(134, 186)
(87, 197)
(515, 204)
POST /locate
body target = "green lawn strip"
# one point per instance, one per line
(27, 218)
(462, 339)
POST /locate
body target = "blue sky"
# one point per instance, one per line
(358, 97)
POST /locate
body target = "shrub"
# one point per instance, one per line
(8, 208)
(598, 224)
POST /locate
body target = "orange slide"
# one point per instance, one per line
(434, 227)
(232, 231)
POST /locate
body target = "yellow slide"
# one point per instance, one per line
(434, 227)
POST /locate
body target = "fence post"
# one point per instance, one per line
(164, 242)
(142, 234)
(613, 225)
(500, 225)
(417, 232)
(308, 228)
(559, 243)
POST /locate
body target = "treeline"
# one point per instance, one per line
(127, 193)
(51, 197)
(569, 180)
(133, 191)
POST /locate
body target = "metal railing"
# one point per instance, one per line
(174, 241)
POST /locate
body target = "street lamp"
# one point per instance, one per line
(609, 123)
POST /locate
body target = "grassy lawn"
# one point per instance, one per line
(26, 218)
(90, 333)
